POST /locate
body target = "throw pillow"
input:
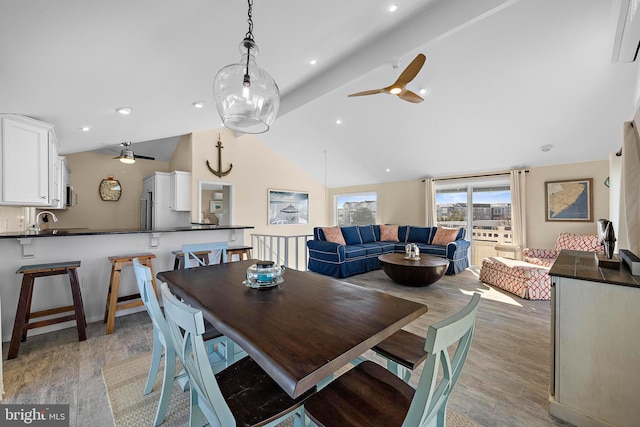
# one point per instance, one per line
(389, 233)
(334, 235)
(444, 236)
(366, 233)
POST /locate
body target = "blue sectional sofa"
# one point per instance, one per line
(363, 246)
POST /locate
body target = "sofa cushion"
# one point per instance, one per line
(444, 236)
(333, 234)
(389, 233)
(354, 251)
(366, 233)
(351, 235)
(373, 248)
(419, 234)
(403, 232)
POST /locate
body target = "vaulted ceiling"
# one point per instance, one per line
(503, 78)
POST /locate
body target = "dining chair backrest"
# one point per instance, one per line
(430, 398)
(218, 253)
(150, 300)
(186, 326)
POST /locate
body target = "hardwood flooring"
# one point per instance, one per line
(504, 382)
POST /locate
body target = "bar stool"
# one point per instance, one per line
(23, 315)
(243, 252)
(113, 300)
(178, 261)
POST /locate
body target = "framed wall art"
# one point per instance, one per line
(288, 207)
(569, 200)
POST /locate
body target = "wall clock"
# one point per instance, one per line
(110, 189)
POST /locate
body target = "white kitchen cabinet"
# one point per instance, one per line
(26, 161)
(181, 191)
(156, 211)
(60, 181)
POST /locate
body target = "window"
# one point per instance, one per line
(483, 207)
(356, 209)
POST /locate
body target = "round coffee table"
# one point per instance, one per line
(422, 272)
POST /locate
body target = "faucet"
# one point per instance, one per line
(36, 226)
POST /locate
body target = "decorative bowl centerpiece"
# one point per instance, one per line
(264, 274)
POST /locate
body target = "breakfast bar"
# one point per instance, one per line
(92, 247)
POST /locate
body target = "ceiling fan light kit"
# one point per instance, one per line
(127, 156)
(246, 96)
(399, 87)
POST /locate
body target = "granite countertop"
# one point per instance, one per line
(62, 232)
(584, 266)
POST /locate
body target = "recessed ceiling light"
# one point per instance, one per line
(392, 7)
(423, 91)
(198, 104)
(312, 61)
(387, 170)
(546, 147)
(85, 128)
(124, 110)
(338, 121)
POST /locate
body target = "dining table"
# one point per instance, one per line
(301, 331)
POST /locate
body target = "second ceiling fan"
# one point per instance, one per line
(127, 156)
(399, 87)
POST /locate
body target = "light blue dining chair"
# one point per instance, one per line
(217, 253)
(242, 394)
(384, 399)
(162, 345)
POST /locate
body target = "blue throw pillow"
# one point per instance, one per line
(351, 235)
(419, 234)
(402, 233)
(366, 233)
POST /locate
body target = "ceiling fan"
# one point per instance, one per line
(399, 87)
(127, 156)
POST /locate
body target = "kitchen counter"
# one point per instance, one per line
(89, 231)
(92, 247)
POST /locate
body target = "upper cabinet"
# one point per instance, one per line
(28, 153)
(60, 181)
(180, 191)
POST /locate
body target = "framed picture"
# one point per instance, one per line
(288, 207)
(215, 206)
(570, 200)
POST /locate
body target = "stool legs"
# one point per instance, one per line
(113, 300)
(19, 331)
(81, 320)
(23, 323)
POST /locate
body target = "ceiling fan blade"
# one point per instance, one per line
(407, 95)
(368, 92)
(411, 71)
(143, 157)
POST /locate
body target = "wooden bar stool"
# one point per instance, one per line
(22, 323)
(178, 261)
(113, 300)
(243, 252)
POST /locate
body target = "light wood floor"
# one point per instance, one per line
(504, 381)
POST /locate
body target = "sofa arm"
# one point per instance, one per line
(454, 247)
(326, 251)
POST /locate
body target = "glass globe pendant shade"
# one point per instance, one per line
(247, 105)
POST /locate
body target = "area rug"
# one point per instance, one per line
(125, 382)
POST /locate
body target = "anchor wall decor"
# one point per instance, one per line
(219, 173)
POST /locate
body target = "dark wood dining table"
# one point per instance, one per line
(301, 331)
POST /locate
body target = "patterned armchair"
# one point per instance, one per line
(570, 241)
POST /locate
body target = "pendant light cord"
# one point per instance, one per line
(249, 36)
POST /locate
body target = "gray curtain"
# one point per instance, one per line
(630, 188)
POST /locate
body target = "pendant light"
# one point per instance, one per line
(246, 96)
